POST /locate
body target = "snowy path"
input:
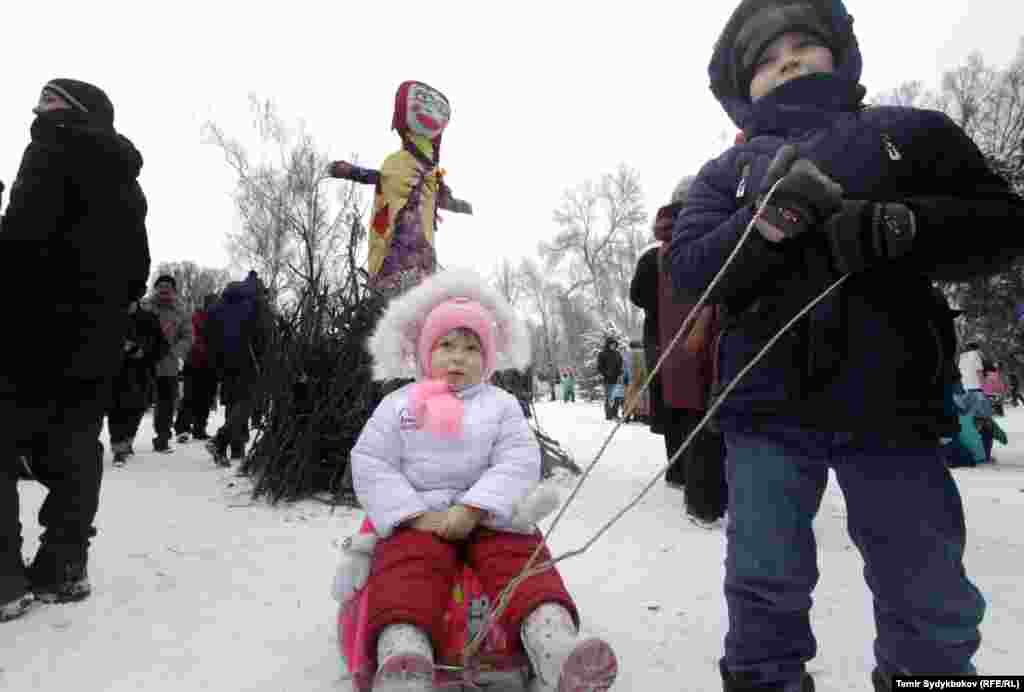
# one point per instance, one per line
(196, 589)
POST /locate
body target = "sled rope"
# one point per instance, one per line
(473, 646)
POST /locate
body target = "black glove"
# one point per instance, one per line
(804, 198)
(865, 233)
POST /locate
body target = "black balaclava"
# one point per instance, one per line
(89, 103)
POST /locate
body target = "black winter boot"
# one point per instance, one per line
(15, 608)
(59, 578)
(731, 683)
(219, 452)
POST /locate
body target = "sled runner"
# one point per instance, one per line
(499, 665)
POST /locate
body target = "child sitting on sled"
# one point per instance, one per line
(441, 468)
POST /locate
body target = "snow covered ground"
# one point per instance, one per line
(196, 587)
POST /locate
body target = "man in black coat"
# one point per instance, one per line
(75, 200)
(144, 347)
(609, 366)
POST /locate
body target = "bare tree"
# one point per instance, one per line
(600, 229)
(541, 295)
(291, 231)
(193, 282)
(907, 94)
(576, 320)
(507, 280)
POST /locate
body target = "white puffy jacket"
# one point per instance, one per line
(400, 471)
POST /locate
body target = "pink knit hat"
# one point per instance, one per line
(453, 314)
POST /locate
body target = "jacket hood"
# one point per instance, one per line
(394, 344)
(96, 148)
(241, 291)
(848, 60)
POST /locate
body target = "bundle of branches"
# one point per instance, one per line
(318, 393)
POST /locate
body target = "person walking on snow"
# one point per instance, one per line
(680, 390)
(861, 192)
(609, 366)
(177, 329)
(144, 347)
(440, 468)
(200, 381)
(239, 329)
(568, 386)
(76, 198)
(976, 404)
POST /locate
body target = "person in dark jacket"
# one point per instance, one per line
(609, 366)
(876, 194)
(199, 379)
(680, 396)
(238, 331)
(1015, 398)
(144, 347)
(75, 198)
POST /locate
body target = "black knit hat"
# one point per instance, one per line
(166, 278)
(85, 98)
(767, 24)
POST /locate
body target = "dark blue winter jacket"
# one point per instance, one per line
(877, 354)
(237, 328)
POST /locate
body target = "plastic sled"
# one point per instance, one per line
(498, 665)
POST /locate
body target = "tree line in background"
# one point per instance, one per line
(304, 237)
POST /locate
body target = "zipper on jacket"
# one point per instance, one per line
(741, 189)
(890, 148)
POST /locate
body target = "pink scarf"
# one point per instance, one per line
(436, 408)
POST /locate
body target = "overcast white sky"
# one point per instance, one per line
(544, 94)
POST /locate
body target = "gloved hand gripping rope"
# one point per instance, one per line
(473, 646)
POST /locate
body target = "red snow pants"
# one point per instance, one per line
(413, 572)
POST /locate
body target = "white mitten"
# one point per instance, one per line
(354, 566)
(542, 501)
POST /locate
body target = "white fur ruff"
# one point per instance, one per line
(393, 344)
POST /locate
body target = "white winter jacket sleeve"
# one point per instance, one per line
(514, 466)
(383, 490)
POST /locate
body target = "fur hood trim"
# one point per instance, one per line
(394, 343)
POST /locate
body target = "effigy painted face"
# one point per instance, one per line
(427, 111)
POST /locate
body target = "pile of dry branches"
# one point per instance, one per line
(318, 392)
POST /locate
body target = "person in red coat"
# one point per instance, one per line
(679, 392)
(200, 381)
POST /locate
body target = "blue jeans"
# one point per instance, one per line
(611, 409)
(903, 513)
